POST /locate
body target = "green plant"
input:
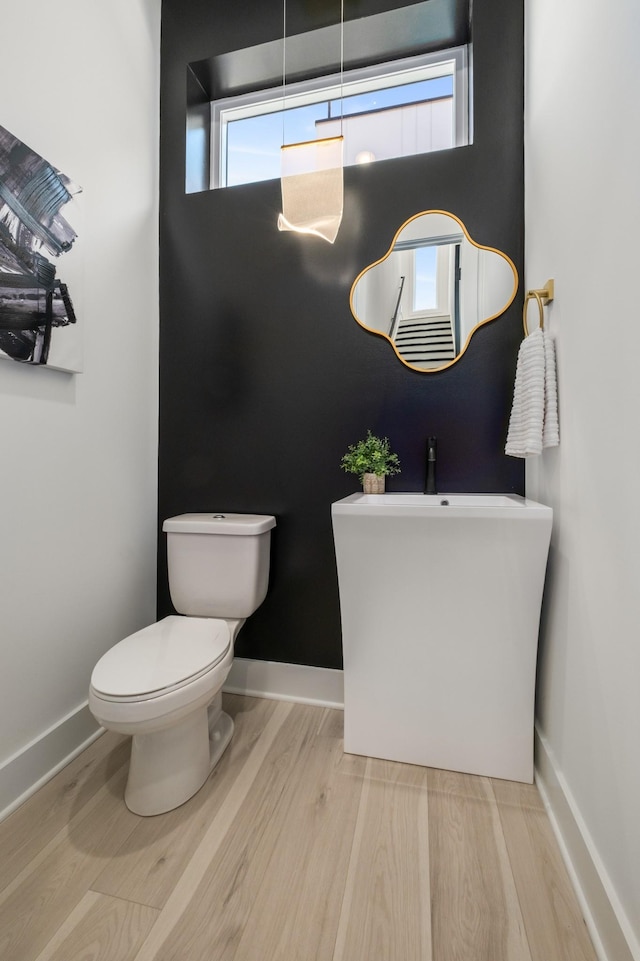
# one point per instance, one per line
(370, 456)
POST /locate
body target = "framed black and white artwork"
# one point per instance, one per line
(40, 260)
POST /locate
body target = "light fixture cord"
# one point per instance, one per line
(284, 64)
(284, 59)
(341, 63)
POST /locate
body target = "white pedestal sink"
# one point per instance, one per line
(440, 599)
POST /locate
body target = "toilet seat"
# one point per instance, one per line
(161, 658)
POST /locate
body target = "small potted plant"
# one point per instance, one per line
(372, 460)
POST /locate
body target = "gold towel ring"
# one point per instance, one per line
(530, 294)
(543, 296)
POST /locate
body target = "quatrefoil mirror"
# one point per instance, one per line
(432, 290)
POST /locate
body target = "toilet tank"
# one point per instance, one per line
(218, 564)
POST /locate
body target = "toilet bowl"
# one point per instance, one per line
(162, 685)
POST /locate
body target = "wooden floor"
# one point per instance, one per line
(292, 851)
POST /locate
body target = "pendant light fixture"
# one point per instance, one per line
(312, 172)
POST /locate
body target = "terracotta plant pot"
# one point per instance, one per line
(372, 484)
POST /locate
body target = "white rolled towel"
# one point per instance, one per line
(534, 415)
(551, 427)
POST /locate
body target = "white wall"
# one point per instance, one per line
(582, 226)
(79, 83)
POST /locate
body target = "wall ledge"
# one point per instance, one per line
(612, 934)
(286, 682)
(22, 774)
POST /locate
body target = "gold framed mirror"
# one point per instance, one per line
(432, 290)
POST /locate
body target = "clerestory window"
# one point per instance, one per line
(396, 109)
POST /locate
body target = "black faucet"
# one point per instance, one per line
(430, 485)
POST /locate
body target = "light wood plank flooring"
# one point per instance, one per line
(292, 851)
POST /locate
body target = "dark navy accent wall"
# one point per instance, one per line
(265, 377)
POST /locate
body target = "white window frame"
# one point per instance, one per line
(452, 62)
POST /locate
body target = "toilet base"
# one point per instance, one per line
(169, 766)
(220, 733)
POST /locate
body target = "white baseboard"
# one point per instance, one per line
(28, 769)
(612, 935)
(286, 682)
(36, 763)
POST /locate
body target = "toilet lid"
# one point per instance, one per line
(171, 652)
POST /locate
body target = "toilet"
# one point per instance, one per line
(163, 684)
